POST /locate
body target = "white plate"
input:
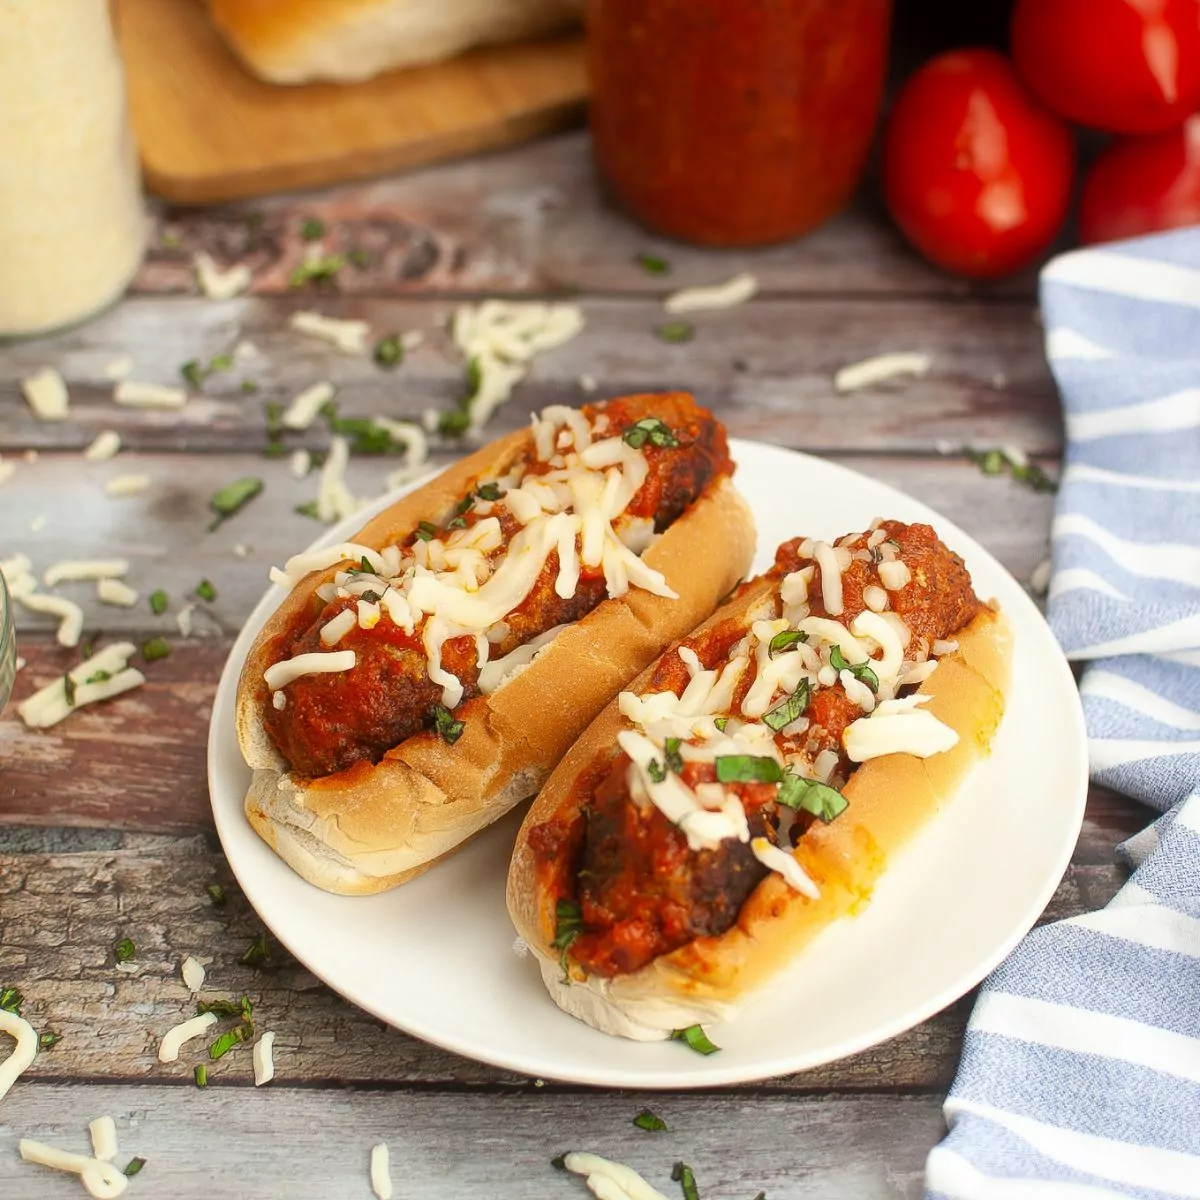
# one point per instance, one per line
(436, 957)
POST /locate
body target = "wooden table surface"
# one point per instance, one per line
(105, 828)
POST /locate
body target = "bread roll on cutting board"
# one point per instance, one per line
(295, 41)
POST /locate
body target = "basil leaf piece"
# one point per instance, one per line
(216, 893)
(11, 1000)
(69, 686)
(464, 505)
(686, 1178)
(206, 591)
(389, 351)
(790, 710)
(359, 257)
(124, 950)
(559, 1162)
(671, 755)
(696, 1038)
(650, 1122)
(259, 954)
(219, 362)
(457, 523)
(785, 641)
(453, 422)
(249, 387)
(227, 1041)
(568, 918)
(193, 373)
(156, 648)
(656, 770)
(219, 1008)
(99, 677)
(159, 600)
(135, 1165)
(312, 230)
(425, 532)
(449, 728)
(812, 796)
(232, 498)
(861, 671)
(720, 723)
(489, 491)
(317, 270)
(746, 768)
(307, 509)
(676, 331)
(201, 1075)
(652, 430)
(49, 1039)
(652, 264)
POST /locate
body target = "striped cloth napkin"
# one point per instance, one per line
(1080, 1075)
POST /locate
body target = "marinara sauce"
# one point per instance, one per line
(735, 122)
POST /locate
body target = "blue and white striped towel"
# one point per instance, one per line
(1080, 1075)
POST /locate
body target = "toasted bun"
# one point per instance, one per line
(375, 826)
(293, 41)
(890, 799)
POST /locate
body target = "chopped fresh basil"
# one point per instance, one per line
(861, 671)
(156, 648)
(124, 950)
(359, 257)
(389, 351)
(259, 953)
(216, 893)
(426, 531)
(790, 710)
(650, 1122)
(746, 768)
(69, 689)
(812, 796)
(365, 435)
(220, 1008)
(671, 755)
(489, 491)
(11, 1000)
(785, 641)
(995, 462)
(274, 450)
(159, 600)
(676, 331)
(219, 362)
(652, 264)
(696, 1038)
(193, 373)
(206, 591)
(99, 677)
(1034, 477)
(135, 1165)
(686, 1178)
(453, 422)
(273, 411)
(656, 770)
(232, 498)
(761, 1196)
(449, 728)
(312, 230)
(568, 925)
(49, 1039)
(457, 523)
(201, 1075)
(464, 505)
(226, 1042)
(652, 430)
(169, 240)
(559, 1162)
(317, 270)
(307, 509)
(720, 723)
(370, 597)
(249, 387)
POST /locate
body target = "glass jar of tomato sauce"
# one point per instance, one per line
(735, 122)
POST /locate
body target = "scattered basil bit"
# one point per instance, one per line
(249, 387)
(259, 953)
(720, 723)
(464, 505)
(156, 648)
(307, 509)
(489, 491)
(685, 1177)
(88, 648)
(159, 600)
(226, 1042)
(671, 755)
(206, 591)
(449, 728)
(474, 377)
(192, 372)
(740, 364)
(99, 677)
(652, 264)
(454, 422)
(790, 710)
(676, 331)
(216, 893)
(11, 1001)
(861, 671)
(317, 270)
(695, 1036)
(568, 925)
(389, 351)
(559, 1162)
(135, 1165)
(219, 1008)
(656, 770)
(274, 450)
(169, 241)
(995, 462)
(785, 641)
(364, 435)
(652, 430)
(312, 230)
(49, 1039)
(124, 950)
(426, 531)
(457, 523)
(761, 1196)
(746, 768)
(69, 689)
(370, 597)
(812, 796)
(650, 1122)
(232, 498)
(359, 257)
(1034, 477)
(201, 1075)
(273, 411)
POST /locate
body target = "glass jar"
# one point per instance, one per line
(8, 645)
(72, 223)
(735, 122)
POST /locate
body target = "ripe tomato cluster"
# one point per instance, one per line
(978, 157)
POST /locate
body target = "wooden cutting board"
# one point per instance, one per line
(209, 130)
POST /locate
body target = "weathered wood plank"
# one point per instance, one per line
(234, 1144)
(530, 219)
(766, 368)
(61, 913)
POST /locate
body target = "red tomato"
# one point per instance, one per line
(975, 172)
(1141, 185)
(1128, 66)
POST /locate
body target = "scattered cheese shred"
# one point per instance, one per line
(381, 1178)
(218, 284)
(106, 446)
(610, 1180)
(350, 337)
(303, 410)
(23, 1053)
(70, 615)
(104, 1138)
(127, 485)
(193, 974)
(264, 1059)
(114, 591)
(883, 366)
(301, 463)
(1039, 579)
(50, 705)
(134, 394)
(118, 368)
(183, 618)
(47, 395)
(73, 569)
(102, 1180)
(173, 1040)
(334, 501)
(732, 292)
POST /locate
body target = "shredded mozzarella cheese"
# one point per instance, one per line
(102, 1180)
(733, 291)
(350, 337)
(117, 368)
(264, 1059)
(218, 284)
(894, 575)
(103, 1131)
(23, 1053)
(831, 578)
(105, 446)
(876, 370)
(127, 485)
(602, 1175)
(887, 731)
(305, 406)
(174, 1039)
(134, 394)
(780, 861)
(113, 591)
(192, 973)
(70, 626)
(47, 395)
(73, 569)
(381, 1179)
(50, 705)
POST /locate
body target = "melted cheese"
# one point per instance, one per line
(776, 859)
(888, 731)
(282, 673)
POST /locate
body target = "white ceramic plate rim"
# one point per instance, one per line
(694, 1071)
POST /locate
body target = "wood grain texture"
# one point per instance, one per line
(233, 1145)
(766, 367)
(209, 130)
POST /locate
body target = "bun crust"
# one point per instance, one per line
(374, 826)
(890, 799)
